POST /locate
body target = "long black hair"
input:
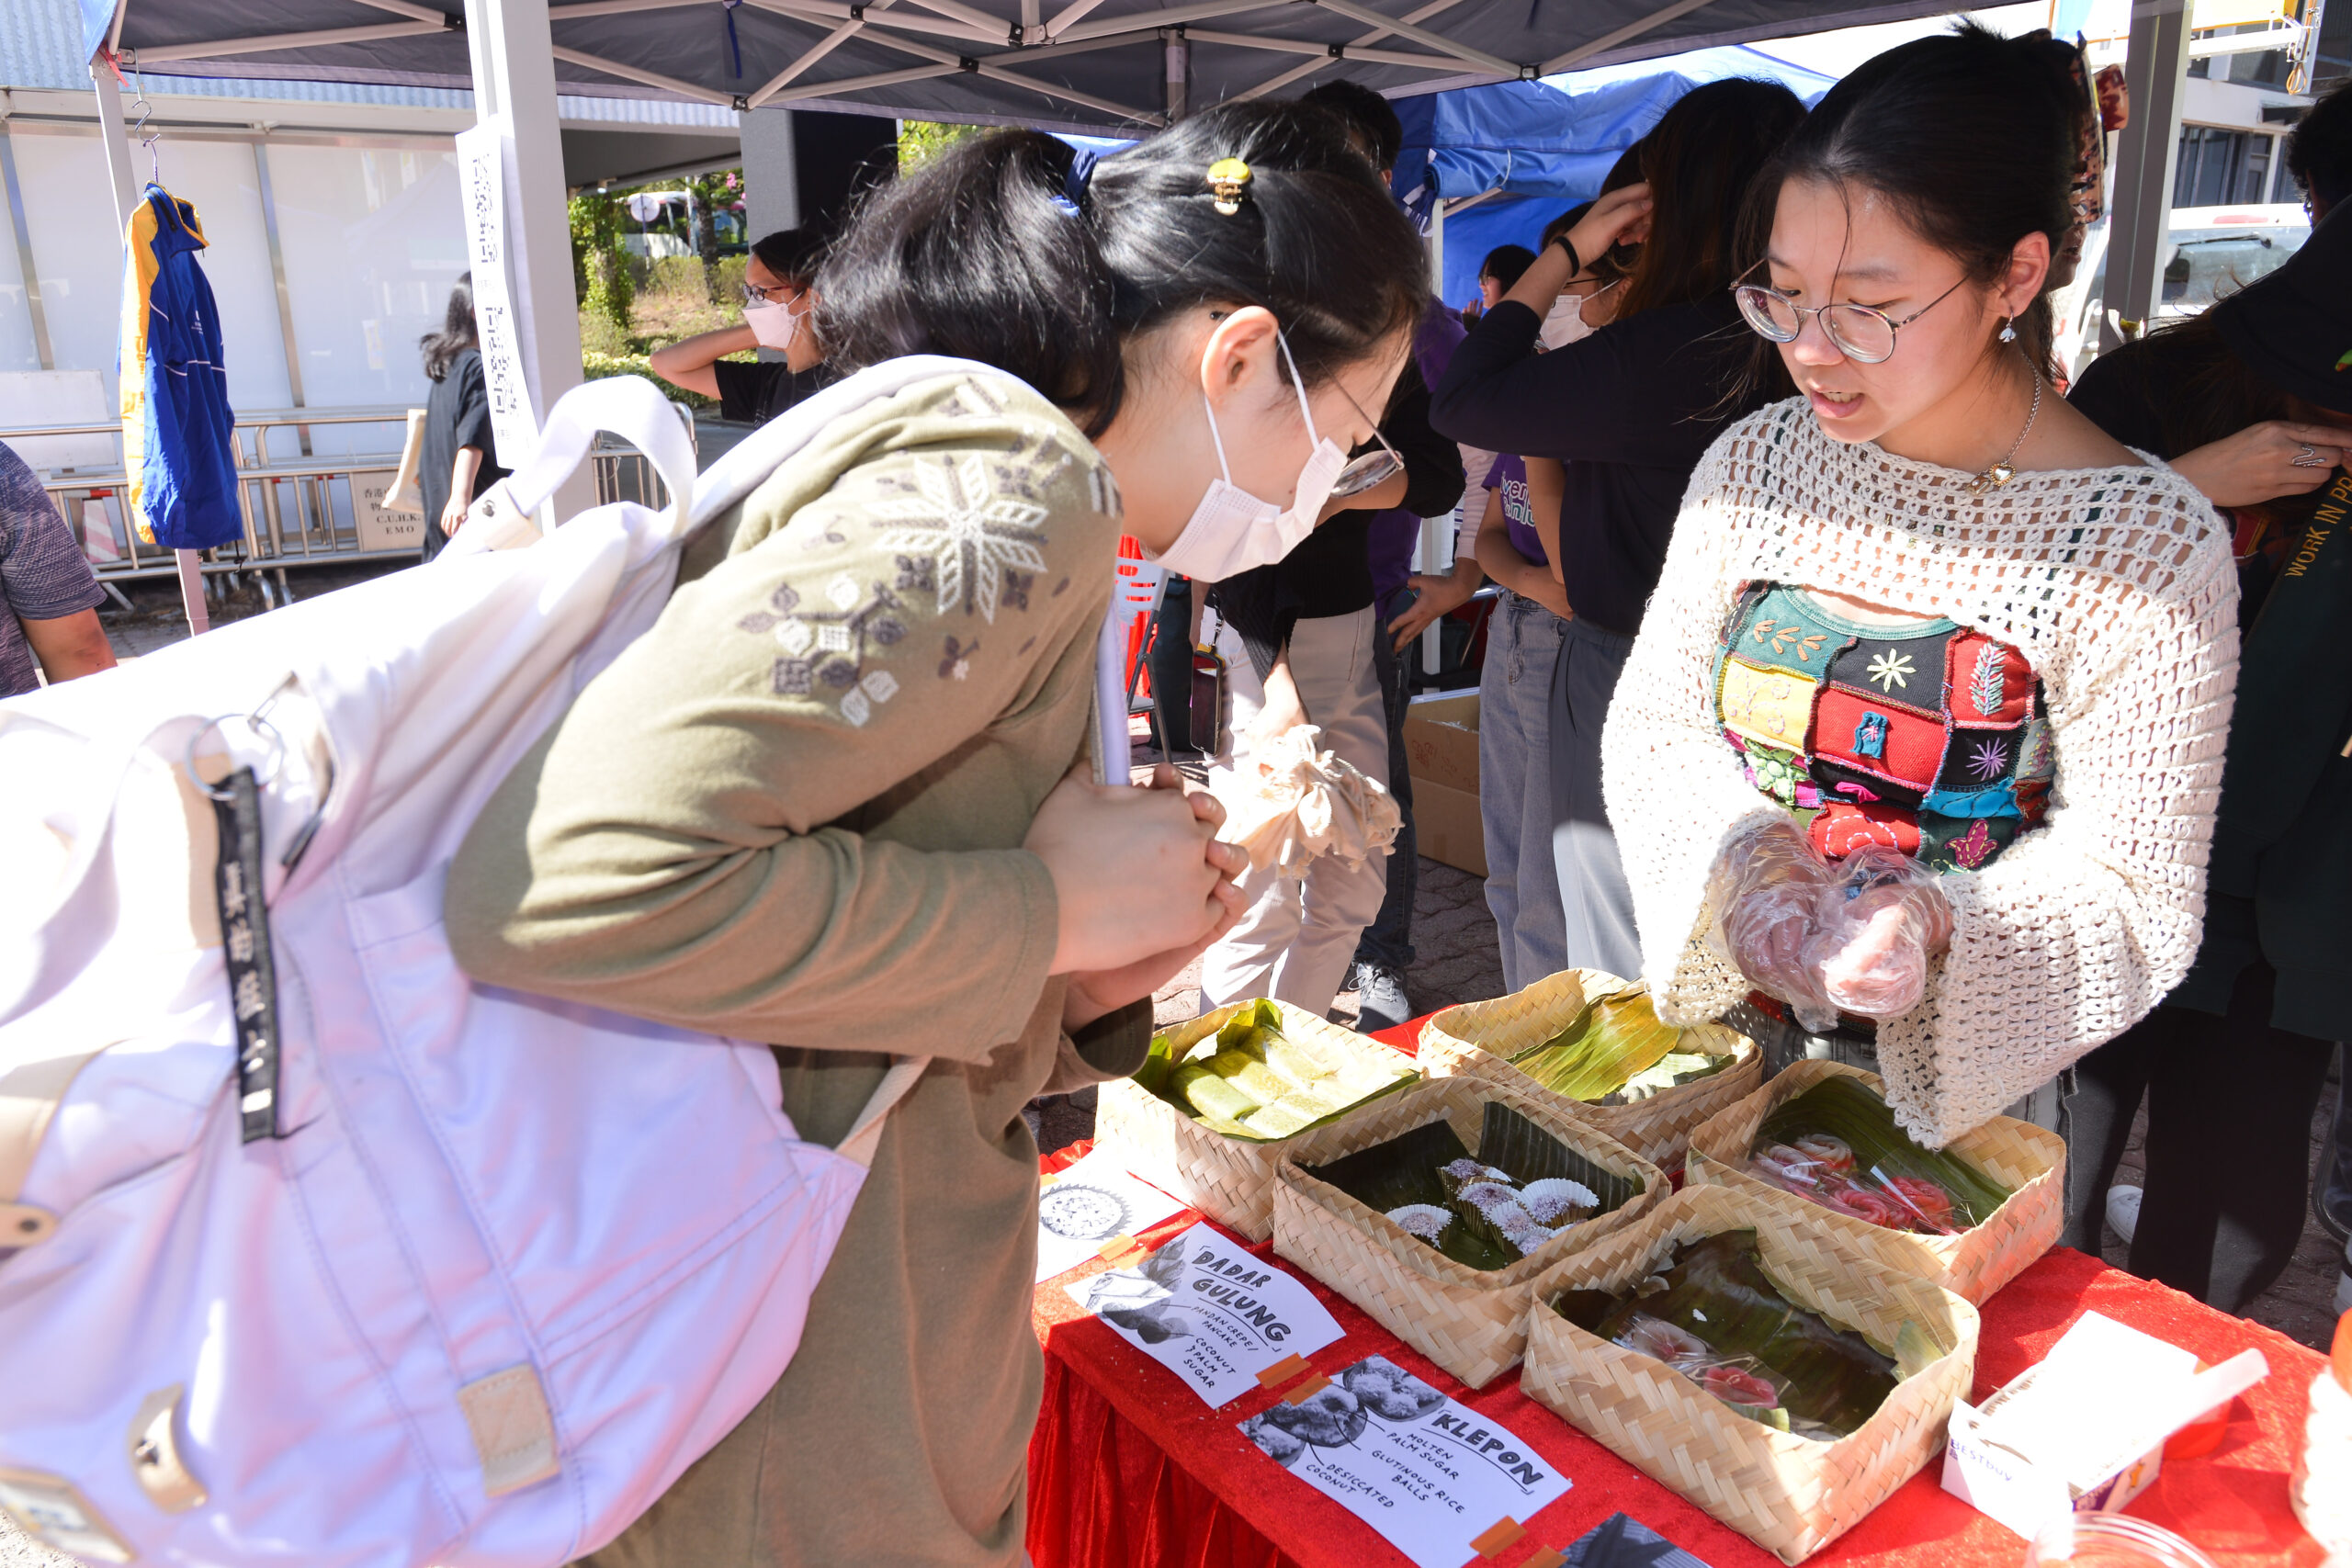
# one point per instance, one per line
(1700, 160)
(977, 254)
(1970, 136)
(457, 334)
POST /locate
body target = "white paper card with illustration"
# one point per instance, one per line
(1441, 1483)
(1210, 1311)
(1094, 1209)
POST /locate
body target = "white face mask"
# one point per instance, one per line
(1565, 323)
(1231, 530)
(775, 325)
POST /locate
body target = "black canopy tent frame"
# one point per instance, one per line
(1110, 67)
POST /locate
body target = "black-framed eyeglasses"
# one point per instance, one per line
(781, 294)
(1860, 333)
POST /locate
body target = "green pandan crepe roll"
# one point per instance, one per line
(1208, 1094)
(1250, 1076)
(1299, 1063)
(1287, 1116)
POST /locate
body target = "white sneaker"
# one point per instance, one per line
(2123, 1211)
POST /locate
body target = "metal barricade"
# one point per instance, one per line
(299, 508)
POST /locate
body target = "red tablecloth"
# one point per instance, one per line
(1129, 1469)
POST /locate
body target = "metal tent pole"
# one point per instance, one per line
(125, 185)
(513, 47)
(2154, 68)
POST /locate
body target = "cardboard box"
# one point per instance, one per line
(1441, 742)
(2082, 1430)
(1447, 827)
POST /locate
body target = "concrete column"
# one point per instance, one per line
(514, 71)
(770, 172)
(2155, 69)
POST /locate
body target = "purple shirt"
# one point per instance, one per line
(1392, 534)
(1508, 478)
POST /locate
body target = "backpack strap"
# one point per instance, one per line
(866, 1132)
(30, 1096)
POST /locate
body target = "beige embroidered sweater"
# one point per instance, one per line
(793, 812)
(2117, 586)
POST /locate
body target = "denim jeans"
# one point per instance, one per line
(1387, 942)
(1515, 789)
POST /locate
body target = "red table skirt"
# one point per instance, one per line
(1129, 1469)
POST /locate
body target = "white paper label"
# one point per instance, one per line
(383, 526)
(1212, 1312)
(1092, 1202)
(1429, 1474)
(484, 154)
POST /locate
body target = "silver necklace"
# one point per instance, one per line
(2006, 469)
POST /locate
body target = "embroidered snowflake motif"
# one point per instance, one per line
(1987, 760)
(972, 536)
(1986, 686)
(1974, 847)
(1891, 669)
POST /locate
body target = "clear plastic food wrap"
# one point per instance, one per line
(1766, 888)
(1837, 1144)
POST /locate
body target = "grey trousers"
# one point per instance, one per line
(1297, 937)
(1594, 899)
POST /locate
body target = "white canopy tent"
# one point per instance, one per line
(1105, 66)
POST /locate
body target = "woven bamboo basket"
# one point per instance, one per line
(1791, 1496)
(1476, 1039)
(2029, 1160)
(1472, 1322)
(1229, 1179)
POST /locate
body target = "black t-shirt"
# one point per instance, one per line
(1630, 410)
(755, 394)
(457, 414)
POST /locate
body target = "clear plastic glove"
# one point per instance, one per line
(1767, 888)
(1876, 926)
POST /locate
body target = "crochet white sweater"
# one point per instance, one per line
(2117, 586)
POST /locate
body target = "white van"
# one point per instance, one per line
(2210, 253)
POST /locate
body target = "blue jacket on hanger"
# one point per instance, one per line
(178, 436)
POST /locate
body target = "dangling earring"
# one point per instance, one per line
(2009, 328)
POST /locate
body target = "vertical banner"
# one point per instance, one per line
(484, 154)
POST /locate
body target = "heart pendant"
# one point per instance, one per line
(1994, 478)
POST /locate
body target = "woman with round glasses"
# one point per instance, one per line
(1923, 731)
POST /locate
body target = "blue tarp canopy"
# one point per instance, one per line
(1542, 147)
(1096, 66)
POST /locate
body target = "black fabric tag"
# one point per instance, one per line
(245, 939)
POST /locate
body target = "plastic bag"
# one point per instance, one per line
(1837, 1144)
(1854, 937)
(1302, 801)
(1766, 888)
(1875, 928)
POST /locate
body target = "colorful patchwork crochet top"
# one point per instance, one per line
(1924, 737)
(2084, 678)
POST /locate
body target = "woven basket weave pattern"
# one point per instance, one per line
(1229, 1179)
(1791, 1496)
(1474, 1041)
(2029, 1160)
(1470, 1321)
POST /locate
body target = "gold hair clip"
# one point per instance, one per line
(1229, 177)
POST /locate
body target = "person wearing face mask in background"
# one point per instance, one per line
(1630, 408)
(1891, 748)
(779, 314)
(825, 801)
(1302, 644)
